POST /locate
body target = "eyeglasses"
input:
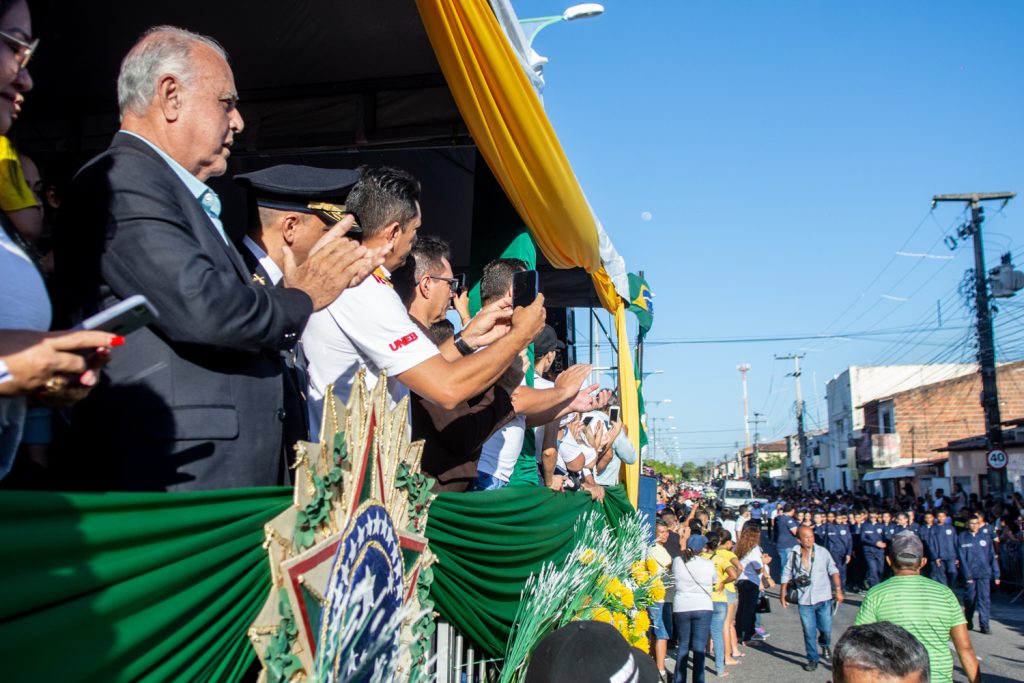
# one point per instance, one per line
(22, 51)
(453, 282)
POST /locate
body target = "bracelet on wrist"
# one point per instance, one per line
(464, 348)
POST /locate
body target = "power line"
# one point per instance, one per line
(797, 337)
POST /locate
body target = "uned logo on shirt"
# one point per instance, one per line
(404, 341)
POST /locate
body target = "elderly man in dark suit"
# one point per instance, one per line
(198, 403)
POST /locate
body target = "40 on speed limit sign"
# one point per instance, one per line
(997, 459)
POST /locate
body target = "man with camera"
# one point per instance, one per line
(806, 572)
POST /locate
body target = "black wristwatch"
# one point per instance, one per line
(461, 344)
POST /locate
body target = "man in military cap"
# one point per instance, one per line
(291, 208)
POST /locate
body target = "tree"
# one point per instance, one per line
(690, 471)
(775, 461)
(662, 468)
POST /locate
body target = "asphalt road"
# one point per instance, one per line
(782, 656)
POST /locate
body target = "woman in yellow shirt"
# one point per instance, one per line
(723, 620)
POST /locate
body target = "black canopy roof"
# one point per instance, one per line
(334, 83)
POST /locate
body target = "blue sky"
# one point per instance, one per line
(786, 152)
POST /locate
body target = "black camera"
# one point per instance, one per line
(802, 581)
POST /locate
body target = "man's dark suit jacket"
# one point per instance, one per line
(296, 373)
(454, 438)
(193, 401)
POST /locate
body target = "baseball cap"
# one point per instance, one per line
(906, 547)
(546, 342)
(589, 651)
(696, 542)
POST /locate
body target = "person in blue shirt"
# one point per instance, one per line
(889, 524)
(785, 529)
(913, 524)
(818, 524)
(858, 567)
(872, 536)
(839, 543)
(945, 549)
(927, 533)
(979, 568)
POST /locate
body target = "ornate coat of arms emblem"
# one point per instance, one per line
(349, 566)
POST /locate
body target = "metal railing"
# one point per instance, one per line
(457, 661)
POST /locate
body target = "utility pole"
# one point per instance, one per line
(757, 442)
(805, 472)
(744, 369)
(986, 340)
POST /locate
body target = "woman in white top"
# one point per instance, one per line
(691, 607)
(754, 565)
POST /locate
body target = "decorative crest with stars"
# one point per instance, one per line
(349, 563)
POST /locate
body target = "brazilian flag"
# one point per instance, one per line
(641, 303)
(640, 406)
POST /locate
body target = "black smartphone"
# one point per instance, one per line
(461, 277)
(613, 413)
(524, 288)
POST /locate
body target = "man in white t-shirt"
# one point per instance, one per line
(369, 327)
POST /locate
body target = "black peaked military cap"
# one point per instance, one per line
(290, 187)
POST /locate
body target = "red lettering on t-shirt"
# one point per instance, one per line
(404, 341)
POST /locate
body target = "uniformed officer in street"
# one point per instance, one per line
(858, 567)
(290, 208)
(927, 533)
(946, 550)
(979, 568)
(872, 537)
(839, 543)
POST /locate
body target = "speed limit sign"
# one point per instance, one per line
(997, 459)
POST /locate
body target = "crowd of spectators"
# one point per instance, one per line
(332, 284)
(908, 555)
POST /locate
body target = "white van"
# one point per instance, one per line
(735, 493)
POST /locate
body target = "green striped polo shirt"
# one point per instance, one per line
(924, 607)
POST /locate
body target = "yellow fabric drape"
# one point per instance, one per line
(512, 132)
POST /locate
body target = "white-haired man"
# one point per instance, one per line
(198, 404)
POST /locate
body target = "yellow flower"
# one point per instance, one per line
(621, 623)
(641, 623)
(643, 644)
(639, 572)
(658, 590)
(587, 556)
(626, 596)
(613, 586)
(601, 614)
(652, 566)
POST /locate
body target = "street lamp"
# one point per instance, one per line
(533, 26)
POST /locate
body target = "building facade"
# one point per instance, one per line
(846, 394)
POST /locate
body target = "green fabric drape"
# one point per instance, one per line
(488, 544)
(164, 587)
(132, 586)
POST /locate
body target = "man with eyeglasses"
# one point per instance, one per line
(369, 328)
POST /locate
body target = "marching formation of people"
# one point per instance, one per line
(331, 276)
(905, 556)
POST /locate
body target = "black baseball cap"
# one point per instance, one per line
(546, 342)
(590, 651)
